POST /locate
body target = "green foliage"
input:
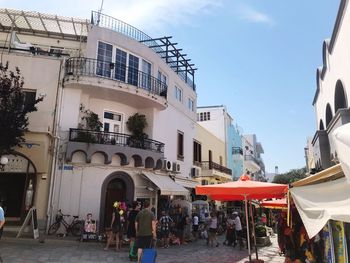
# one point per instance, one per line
(136, 124)
(90, 120)
(291, 176)
(13, 112)
(260, 231)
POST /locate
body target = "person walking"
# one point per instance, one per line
(131, 231)
(165, 222)
(238, 229)
(213, 226)
(195, 226)
(116, 226)
(145, 226)
(2, 219)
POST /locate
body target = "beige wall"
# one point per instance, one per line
(210, 142)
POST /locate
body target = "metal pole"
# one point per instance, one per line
(253, 229)
(246, 218)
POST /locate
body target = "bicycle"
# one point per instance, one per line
(75, 227)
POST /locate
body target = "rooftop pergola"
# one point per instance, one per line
(172, 56)
(43, 24)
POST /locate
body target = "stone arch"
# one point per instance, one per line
(159, 164)
(321, 127)
(123, 158)
(129, 194)
(77, 156)
(105, 156)
(149, 162)
(329, 114)
(137, 160)
(340, 99)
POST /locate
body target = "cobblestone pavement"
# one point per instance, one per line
(27, 251)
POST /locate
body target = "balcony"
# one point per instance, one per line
(145, 153)
(212, 169)
(251, 163)
(129, 84)
(237, 150)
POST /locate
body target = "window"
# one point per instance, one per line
(146, 74)
(190, 104)
(133, 70)
(178, 94)
(104, 59)
(120, 65)
(205, 182)
(162, 77)
(29, 98)
(203, 116)
(197, 152)
(180, 145)
(112, 122)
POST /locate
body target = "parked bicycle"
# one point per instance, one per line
(75, 227)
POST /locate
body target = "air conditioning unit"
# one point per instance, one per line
(176, 167)
(167, 166)
(195, 171)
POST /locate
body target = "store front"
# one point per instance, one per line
(17, 187)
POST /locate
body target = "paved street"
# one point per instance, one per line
(25, 250)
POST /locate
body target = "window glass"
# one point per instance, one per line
(178, 93)
(29, 99)
(133, 70)
(120, 64)
(146, 74)
(104, 59)
(180, 145)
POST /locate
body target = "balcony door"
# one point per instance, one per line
(112, 122)
(104, 59)
(146, 75)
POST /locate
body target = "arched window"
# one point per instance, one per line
(329, 114)
(321, 128)
(340, 100)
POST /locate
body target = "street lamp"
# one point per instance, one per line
(3, 161)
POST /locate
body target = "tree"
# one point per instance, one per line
(290, 177)
(136, 124)
(89, 120)
(13, 109)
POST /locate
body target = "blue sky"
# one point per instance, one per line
(257, 57)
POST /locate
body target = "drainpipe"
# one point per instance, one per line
(56, 140)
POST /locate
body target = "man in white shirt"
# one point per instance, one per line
(195, 225)
(238, 228)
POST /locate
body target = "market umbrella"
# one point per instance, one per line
(275, 204)
(243, 189)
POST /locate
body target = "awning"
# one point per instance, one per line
(318, 203)
(166, 185)
(186, 183)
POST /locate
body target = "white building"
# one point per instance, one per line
(331, 101)
(113, 70)
(253, 162)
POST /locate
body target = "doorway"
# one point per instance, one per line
(116, 191)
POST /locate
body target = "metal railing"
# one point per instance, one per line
(251, 158)
(237, 150)
(119, 72)
(113, 138)
(119, 26)
(215, 166)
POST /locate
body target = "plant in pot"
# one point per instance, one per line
(90, 122)
(136, 125)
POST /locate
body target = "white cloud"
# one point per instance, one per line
(249, 14)
(156, 14)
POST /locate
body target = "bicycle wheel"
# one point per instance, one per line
(53, 228)
(76, 229)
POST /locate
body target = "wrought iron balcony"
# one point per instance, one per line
(119, 72)
(208, 165)
(237, 150)
(113, 138)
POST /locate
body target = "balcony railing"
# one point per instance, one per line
(126, 29)
(251, 158)
(237, 150)
(215, 166)
(113, 138)
(115, 71)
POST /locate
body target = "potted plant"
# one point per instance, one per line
(90, 121)
(136, 125)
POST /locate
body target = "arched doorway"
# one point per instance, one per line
(15, 178)
(118, 186)
(340, 100)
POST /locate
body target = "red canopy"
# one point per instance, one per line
(244, 187)
(278, 203)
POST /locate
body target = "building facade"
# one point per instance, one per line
(331, 101)
(253, 162)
